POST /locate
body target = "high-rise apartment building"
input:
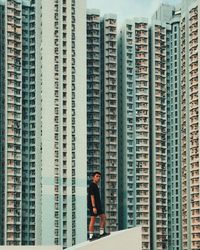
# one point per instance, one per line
(134, 171)
(62, 104)
(158, 124)
(94, 92)
(43, 122)
(94, 97)
(174, 133)
(17, 123)
(2, 134)
(134, 118)
(160, 185)
(182, 128)
(28, 124)
(143, 129)
(190, 124)
(102, 106)
(109, 107)
(11, 122)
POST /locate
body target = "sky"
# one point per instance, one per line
(128, 8)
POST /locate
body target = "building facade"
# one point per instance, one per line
(134, 204)
(158, 176)
(190, 124)
(110, 120)
(94, 92)
(134, 118)
(11, 123)
(174, 134)
(62, 103)
(43, 122)
(102, 123)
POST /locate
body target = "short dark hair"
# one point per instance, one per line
(96, 172)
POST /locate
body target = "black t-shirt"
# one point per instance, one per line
(94, 190)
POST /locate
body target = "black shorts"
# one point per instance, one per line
(99, 212)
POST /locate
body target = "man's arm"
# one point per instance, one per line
(92, 200)
(93, 204)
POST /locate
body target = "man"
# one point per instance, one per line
(94, 206)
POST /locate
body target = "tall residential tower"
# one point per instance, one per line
(43, 122)
(61, 113)
(134, 172)
(190, 124)
(94, 92)
(11, 123)
(102, 104)
(109, 107)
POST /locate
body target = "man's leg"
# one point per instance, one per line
(102, 224)
(91, 226)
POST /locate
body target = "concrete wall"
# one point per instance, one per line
(130, 239)
(30, 248)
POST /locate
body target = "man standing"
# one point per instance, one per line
(95, 208)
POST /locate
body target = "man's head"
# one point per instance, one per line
(96, 177)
